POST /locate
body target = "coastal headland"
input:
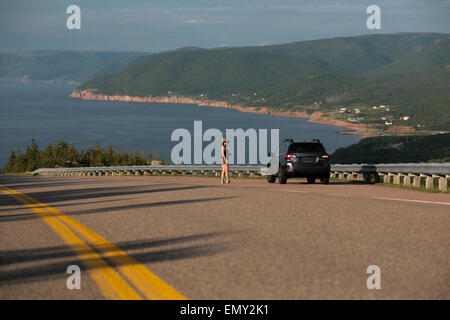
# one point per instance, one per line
(315, 117)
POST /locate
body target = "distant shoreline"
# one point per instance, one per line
(315, 117)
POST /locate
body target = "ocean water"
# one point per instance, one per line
(47, 113)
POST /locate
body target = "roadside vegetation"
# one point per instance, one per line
(396, 149)
(64, 155)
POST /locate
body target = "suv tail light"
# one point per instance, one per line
(325, 156)
(289, 156)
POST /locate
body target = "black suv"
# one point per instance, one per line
(302, 159)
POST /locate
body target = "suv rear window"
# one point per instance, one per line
(306, 147)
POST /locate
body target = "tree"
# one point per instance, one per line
(32, 156)
(9, 166)
(65, 155)
(20, 165)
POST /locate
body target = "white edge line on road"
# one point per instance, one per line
(409, 200)
(376, 198)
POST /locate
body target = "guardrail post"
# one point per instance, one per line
(376, 178)
(407, 180)
(442, 183)
(428, 181)
(416, 181)
(397, 178)
(387, 178)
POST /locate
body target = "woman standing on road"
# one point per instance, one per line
(225, 168)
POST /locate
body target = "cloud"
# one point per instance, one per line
(199, 21)
(265, 43)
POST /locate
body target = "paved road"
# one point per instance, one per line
(175, 237)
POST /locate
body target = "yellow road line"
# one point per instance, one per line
(107, 279)
(150, 285)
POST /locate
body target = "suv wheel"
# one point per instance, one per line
(311, 179)
(282, 179)
(325, 180)
(271, 179)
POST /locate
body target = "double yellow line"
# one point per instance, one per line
(133, 281)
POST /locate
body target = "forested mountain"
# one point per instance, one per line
(63, 66)
(410, 72)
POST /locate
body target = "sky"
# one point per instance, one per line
(158, 25)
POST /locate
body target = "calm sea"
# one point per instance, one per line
(47, 113)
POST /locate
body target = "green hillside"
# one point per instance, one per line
(396, 149)
(64, 66)
(407, 71)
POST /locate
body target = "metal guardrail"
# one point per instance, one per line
(408, 174)
(405, 168)
(149, 169)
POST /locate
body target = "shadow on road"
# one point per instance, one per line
(35, 182)
(139, 250)
(19, 204)
(53, 196)
(32, 215)
(337, 183)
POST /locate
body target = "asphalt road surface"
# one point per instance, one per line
(192, 237)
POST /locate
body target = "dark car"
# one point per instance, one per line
(303, 159)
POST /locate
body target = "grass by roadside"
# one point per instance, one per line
(423, 189)
(27, 173)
